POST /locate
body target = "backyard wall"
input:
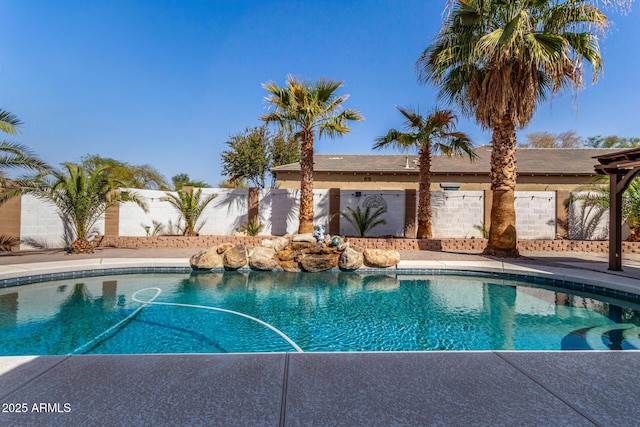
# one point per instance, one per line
(455, 215)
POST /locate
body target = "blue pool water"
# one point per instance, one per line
(318, 312)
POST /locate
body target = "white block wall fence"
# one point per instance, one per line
(456, 214)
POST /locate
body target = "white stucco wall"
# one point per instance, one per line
(455, 214)
(535, 214)
(40, 222)
(588, 222)
(223, 216)
(279, 209)
(392, 199)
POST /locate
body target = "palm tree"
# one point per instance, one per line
(364, 221)
(15, 156)
(498, 60)
(596, 195)
(305, 109)
(429, 135)
(190, 205)
(81, 197)
(9, 123)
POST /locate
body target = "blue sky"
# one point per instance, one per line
(166, 82)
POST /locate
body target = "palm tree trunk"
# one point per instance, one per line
(502, 233)
(424, 195)
(306, 183)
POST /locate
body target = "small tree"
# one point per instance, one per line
(248, 156)
(182, 180)
(81, 197)
(133, 176)
(568, 139)
(254, 152)
(612, 141)
(190, 205)
(364, 221)
(597, 196)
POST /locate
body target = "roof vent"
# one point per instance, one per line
(335, 158)
(450, 186)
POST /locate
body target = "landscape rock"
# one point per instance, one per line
(381, 258)
(280, 243)
(301, 246)
(235, 257)
(283, 253)
(263, 259)
(286, 255)
(316, 262)
(223, 247)
(305, 237)
(350, 259)
(291, 266)
(206, 259)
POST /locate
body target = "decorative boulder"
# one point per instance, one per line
(306, 237)
(315, 262)
(291, 266)
(235, 257)
(350, 259)
(381, 258)
(286, 255)
(277, 244)
(206, 259)
(223, 247)
(263, 259)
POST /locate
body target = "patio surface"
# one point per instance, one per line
(365, 389)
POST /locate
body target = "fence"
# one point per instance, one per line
(455, 214)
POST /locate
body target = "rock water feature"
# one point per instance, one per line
(297, 252)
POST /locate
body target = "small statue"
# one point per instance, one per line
(319, 233)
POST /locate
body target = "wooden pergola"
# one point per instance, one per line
(622, 167)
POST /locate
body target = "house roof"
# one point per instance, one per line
(531, 161)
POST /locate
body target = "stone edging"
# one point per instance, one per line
(453, 245)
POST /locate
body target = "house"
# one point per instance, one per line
(539, 169)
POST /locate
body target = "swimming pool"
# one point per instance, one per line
(331, 311)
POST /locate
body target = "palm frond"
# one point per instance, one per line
(9, 122)
(190, 205)
(364, 221)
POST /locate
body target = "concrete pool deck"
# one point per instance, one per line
(421, 388)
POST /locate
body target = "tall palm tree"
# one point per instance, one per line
(429, 135)
(498, 60)
(190, 204)
(81, 197)
(306, 109)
